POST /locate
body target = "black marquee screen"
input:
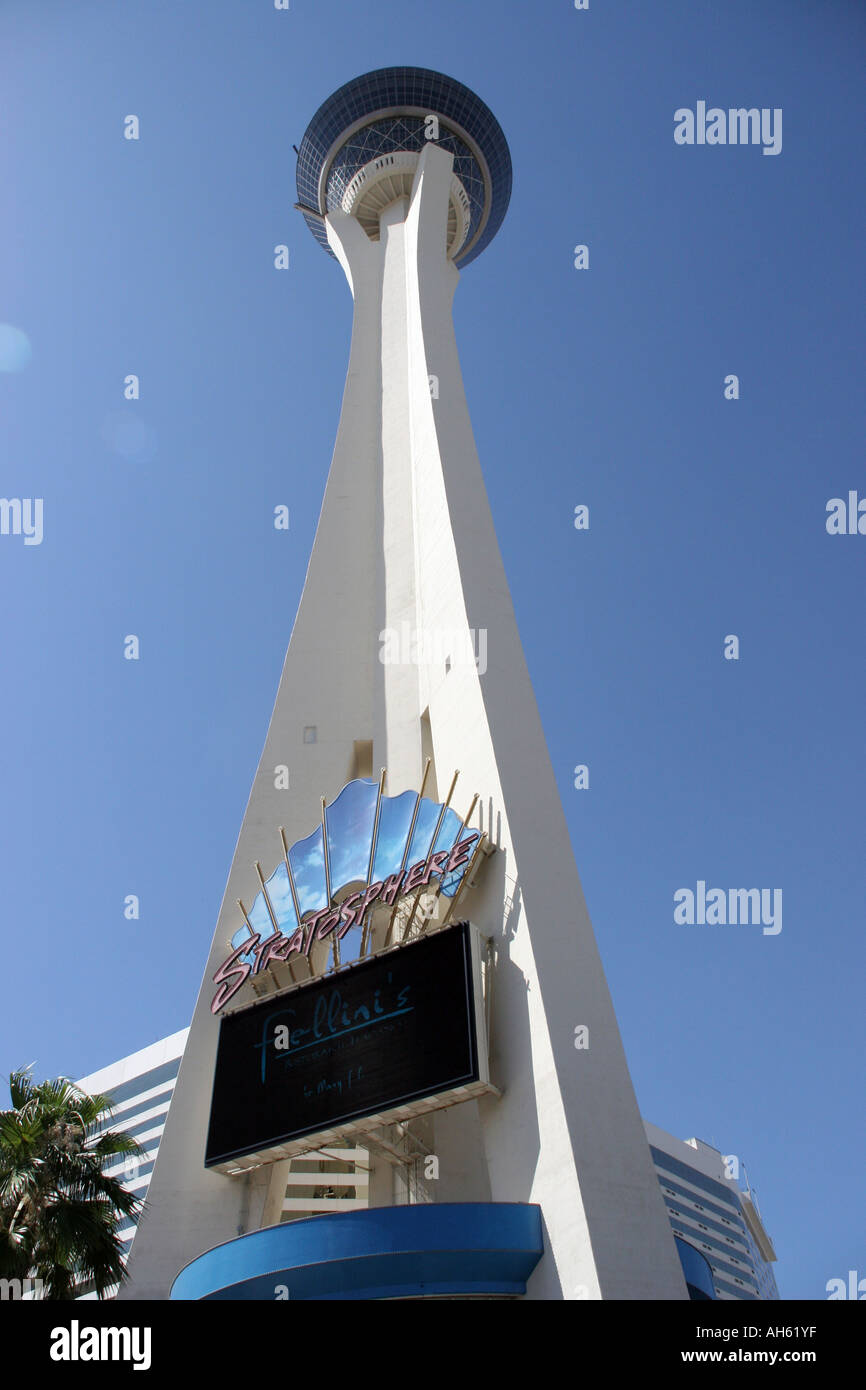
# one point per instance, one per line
(387, 1031)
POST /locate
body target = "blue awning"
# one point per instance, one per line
(459, 1248)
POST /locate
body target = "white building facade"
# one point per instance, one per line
(140, 1088)
(711, 1206)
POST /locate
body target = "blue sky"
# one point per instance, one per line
(602, 387)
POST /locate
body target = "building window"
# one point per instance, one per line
(310, 733)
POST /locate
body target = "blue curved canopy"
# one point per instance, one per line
(457, 1248)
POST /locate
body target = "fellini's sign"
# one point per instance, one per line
(369, 852)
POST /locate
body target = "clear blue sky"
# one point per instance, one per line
(603, 387)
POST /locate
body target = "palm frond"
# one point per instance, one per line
(59, 1209)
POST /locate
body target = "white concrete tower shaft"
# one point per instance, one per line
(405, 553)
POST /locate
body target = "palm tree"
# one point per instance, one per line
(59, 1210)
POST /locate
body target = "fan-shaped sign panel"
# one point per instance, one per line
(370, 851)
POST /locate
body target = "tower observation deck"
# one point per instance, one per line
(361, 150)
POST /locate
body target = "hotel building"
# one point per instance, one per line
(715, 1214)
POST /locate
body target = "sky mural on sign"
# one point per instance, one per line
(383, 847)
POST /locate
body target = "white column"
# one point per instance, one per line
(567, 1132)
(406, 537)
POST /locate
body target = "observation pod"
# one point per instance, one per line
(361, 150)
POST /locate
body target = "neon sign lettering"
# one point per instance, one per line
(235, 970)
